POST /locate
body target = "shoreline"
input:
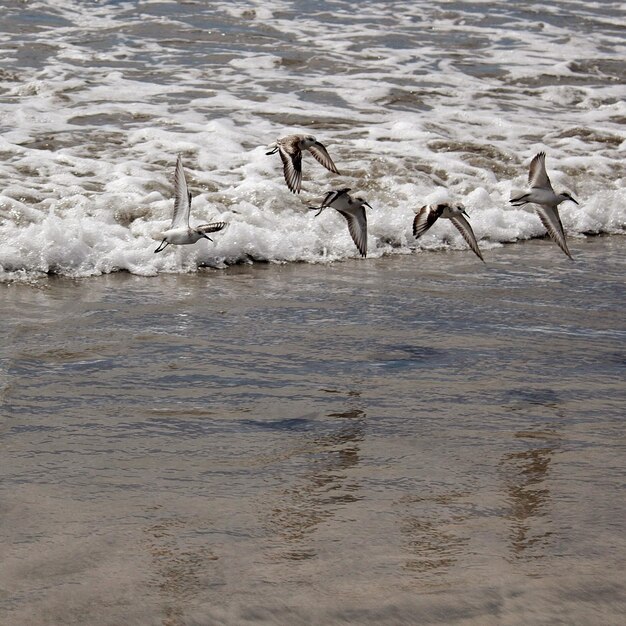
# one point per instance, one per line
(500, 251)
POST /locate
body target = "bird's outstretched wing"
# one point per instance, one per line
(425, 218)
(537, 175)
(321, 154)
(292, 167)
(210, 228)
(182, 197)
(550, 218)
(463, 226)
(357, 226)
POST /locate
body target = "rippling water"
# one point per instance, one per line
(390, 442)
(416, 437)
(416, 101)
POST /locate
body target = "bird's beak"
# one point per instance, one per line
(368, 205)
(574, 201)
(319, 209)
(272, 148)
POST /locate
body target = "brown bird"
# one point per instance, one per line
(353, 209)
(290, 150)
(430, 213)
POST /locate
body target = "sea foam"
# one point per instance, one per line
(431, 107)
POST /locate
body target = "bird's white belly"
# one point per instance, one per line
(181, 236)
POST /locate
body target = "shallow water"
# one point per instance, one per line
(412, 439)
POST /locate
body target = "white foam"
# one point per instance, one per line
(410, 114)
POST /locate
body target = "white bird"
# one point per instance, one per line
(179, 231)
(353, 209)
(430, 213)
(290, 150)
(542, 195)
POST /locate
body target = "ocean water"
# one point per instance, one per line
(416, 101)
(409, 440)
(269, 429)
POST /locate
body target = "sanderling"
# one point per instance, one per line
(179, 231)
(430, 213)
(290, 149)
(542, 195)
(353, 209)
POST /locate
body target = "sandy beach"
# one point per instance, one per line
(414, 439)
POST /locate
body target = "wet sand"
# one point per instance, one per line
(418, 439)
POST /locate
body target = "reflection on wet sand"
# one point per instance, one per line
(430, 526)
(322, 486)
(525, 474)
(181, 570)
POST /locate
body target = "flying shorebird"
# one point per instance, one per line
(353, 209)
(430, 213)
(542, 195)
(290, 150)
(179, 231)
